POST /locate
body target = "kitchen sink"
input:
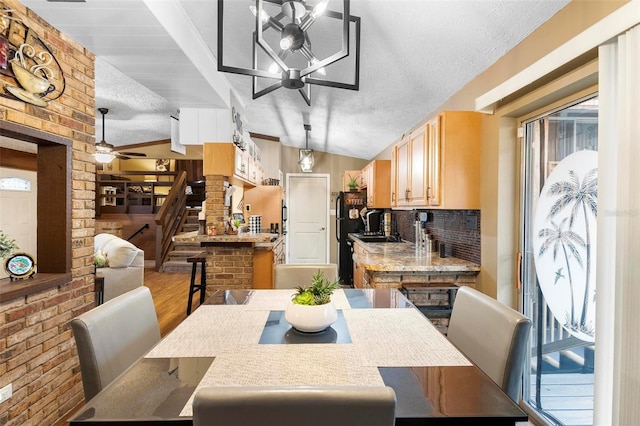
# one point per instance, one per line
(377, 238)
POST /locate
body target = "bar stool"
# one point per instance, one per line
(202, 285)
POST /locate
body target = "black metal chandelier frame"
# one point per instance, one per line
(290, 77)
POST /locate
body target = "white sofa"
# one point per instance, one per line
(125, 265)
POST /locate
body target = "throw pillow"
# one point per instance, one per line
(120, 253)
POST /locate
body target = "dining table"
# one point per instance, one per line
(241, 338)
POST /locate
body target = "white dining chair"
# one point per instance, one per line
(295, 406)
(292, 275)
(491, 334)
(112, 336)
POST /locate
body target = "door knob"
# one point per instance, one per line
(322, 229)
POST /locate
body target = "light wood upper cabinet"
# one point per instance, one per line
(438, 164)
(433, 159)
(228, 160)
(377, 180)
(460, 134)
(411, 169)
(402, 172)
(418, 148)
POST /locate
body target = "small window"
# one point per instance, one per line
(15, 184)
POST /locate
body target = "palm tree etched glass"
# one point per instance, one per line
(559, 246)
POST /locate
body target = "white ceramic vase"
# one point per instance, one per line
(311, 318)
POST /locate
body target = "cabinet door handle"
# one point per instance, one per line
(393, 197)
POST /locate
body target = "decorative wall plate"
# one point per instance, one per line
(20, 265)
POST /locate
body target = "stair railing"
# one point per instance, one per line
(139, 231)
(170, 218)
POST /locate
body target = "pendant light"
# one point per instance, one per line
(104, 151)
(306, 160)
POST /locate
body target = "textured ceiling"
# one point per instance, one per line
(415, 54)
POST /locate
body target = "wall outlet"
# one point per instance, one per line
(5, 393)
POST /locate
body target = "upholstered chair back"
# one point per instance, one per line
(292, 275)
(112, 336)
(494, 336)
(295, 406)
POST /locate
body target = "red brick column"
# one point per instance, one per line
(216, 212)
(229, 267)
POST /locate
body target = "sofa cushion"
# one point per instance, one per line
(120, 253)
(100, 240)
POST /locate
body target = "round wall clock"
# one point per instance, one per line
(20, 265)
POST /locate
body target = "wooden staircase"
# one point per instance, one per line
(177, 259)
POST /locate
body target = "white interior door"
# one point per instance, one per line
(18, 193)
(308, 222)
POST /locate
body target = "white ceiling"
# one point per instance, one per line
(156, 56)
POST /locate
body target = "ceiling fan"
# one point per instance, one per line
(105, 152)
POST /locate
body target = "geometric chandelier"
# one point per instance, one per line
(282, 32)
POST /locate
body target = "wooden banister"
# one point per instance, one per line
(170, 218)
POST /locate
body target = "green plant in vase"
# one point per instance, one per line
(311, 309)
(318, 292)
(353, 183)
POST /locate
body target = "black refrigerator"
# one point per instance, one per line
(348, 220)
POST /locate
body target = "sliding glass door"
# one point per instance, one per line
(559, 196)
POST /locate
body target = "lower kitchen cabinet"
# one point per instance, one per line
(264, 261)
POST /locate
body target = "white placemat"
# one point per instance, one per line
(288, 365)
(400, 338)
(277, 300)
(209, 329)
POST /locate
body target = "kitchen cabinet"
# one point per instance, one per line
(377, 180)
(227, 159)
(358, 269)
(264, 261)
(266, 201)
(459, 160)
(411, 169)
(438, 165)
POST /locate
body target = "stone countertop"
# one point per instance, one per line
(258, 240)
(401, 257)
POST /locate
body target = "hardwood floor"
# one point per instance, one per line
(170, 292)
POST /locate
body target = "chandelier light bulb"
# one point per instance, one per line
(264, 16)
(274, 68)
(285, 43)
(320, 71)
(319, 9)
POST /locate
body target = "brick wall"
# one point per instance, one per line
(216, 211)
(228, 266)
(37, 350)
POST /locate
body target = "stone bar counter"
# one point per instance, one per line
(234, 261)
(427, 279)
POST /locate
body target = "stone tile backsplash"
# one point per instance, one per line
(458, 229)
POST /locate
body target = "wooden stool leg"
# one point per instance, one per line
(192, 286)
(203, 280)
